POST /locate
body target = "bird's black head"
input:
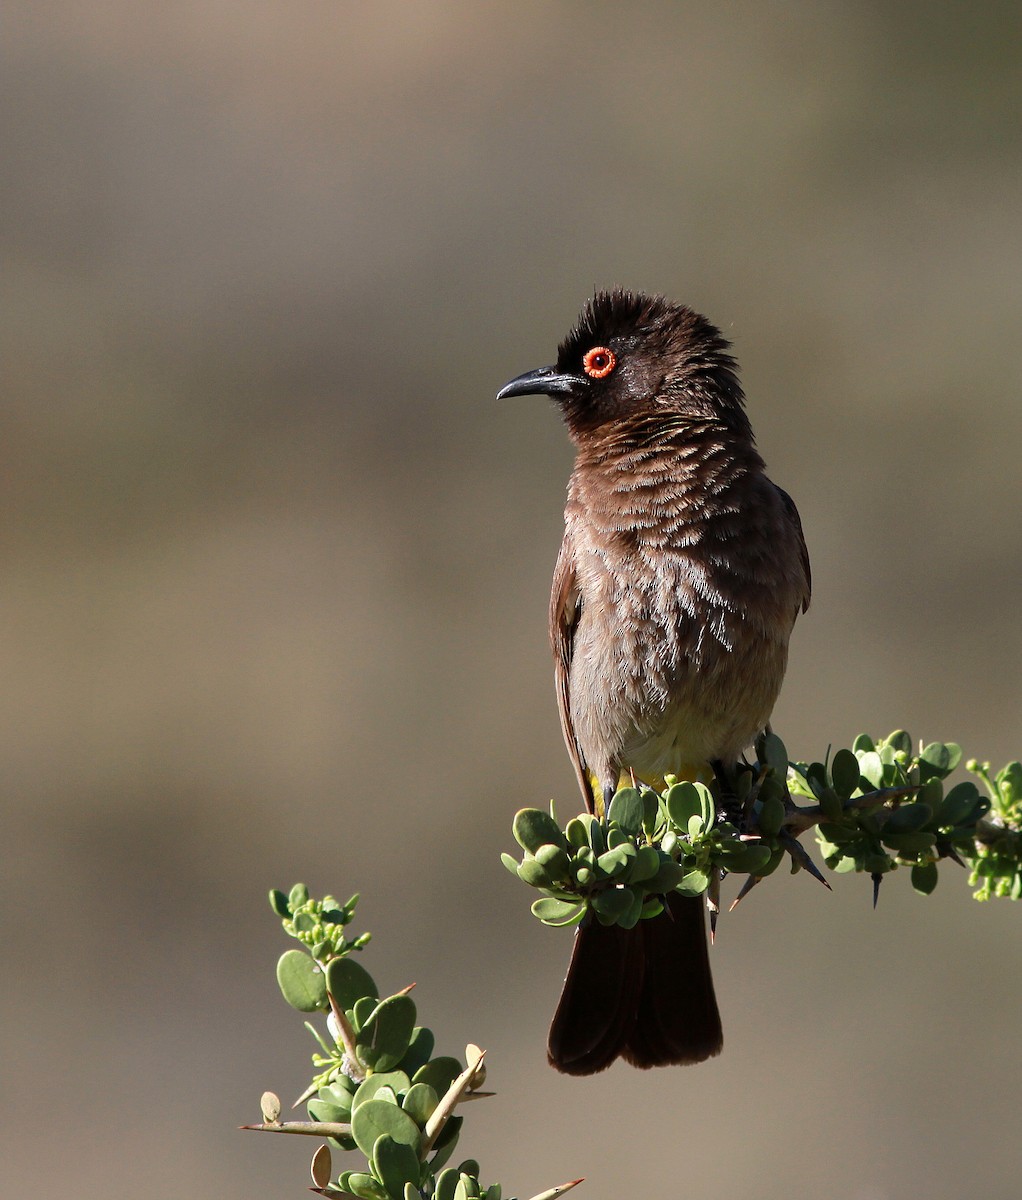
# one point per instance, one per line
(633, 357)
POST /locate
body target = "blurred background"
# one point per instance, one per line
(275, 565)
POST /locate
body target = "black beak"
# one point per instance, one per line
(544, 381)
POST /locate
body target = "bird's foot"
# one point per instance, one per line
(729, 807)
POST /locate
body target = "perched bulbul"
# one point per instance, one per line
(677, 585)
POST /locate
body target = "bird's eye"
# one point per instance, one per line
(599, 362)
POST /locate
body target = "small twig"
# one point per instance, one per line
(347, 1039)
(448, 1102)
(750, 799)
(309, 1092)
(798, 820)
(800, 855)
(747, 887)
(308, 1128)
(553, 1192)
(991, 829)
(713, 904)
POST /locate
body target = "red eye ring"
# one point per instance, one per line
(599, 362)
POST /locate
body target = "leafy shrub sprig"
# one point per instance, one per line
(379, 1088)
(875, 806)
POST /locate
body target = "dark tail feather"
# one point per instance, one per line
(598, 1000)
(645, 994)
(677, 1021)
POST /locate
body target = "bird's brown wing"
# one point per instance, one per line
(565, 610)
(796, 521)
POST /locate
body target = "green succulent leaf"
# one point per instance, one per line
(645, 865)
(773, 752)
(439, 1073)
(931, 793)
(325, 1110)
(694, 883)
(348, 982)
(554, 861)
(336, 1098)
(958, 805)
(583, 875)
(907, 818)
(837, 834)
(419, 1050)
(775, 860)
(612, 905)
(938, 760)
(707, 810)
(361, 1011)
(816, 776)
(650, 810)
(385, 1035)
(844, 771)
(683, 802)
(369, 1089)
(420, 1103)
(830, 802)
(627, 810)
(552, 911)
(750, 859)
(916, 842)
(530, 872)
(395, 1165)
(900, 742)
(534, 828)
(362, 1185)
(446, 1182)
(668, 876)
(371, 1120)
(1009, 785)
(633, 914)
(871, 768)
(771, 816)
(617, 861)
(596, 835)
(924, 877)
(576, 833)
(301, 981)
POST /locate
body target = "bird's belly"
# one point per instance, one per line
(656, 701)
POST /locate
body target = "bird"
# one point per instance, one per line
(679, 579)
